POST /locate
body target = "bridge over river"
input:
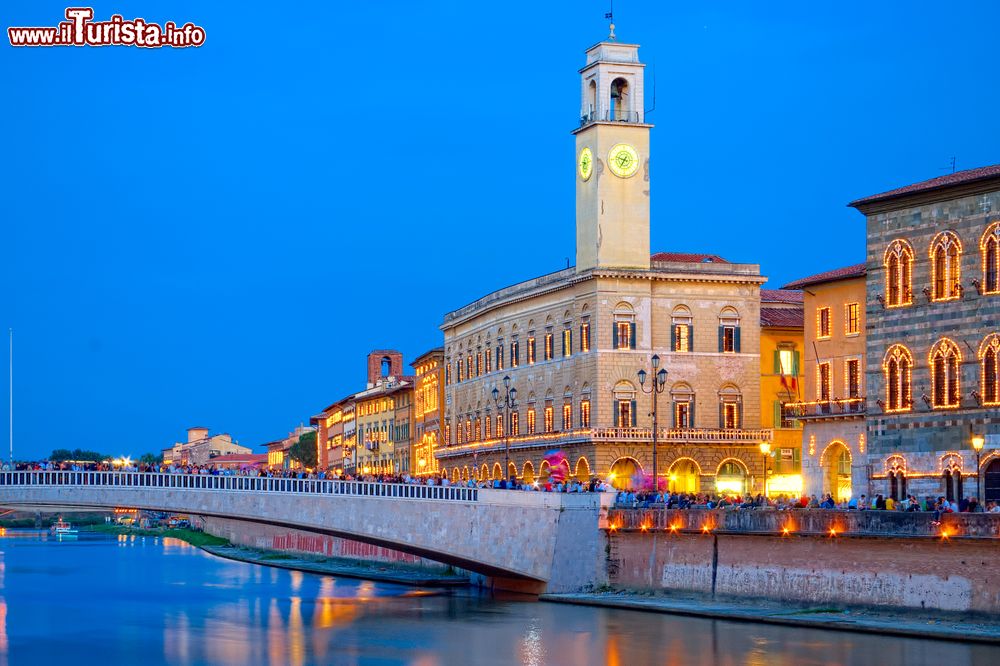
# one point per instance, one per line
(529, 541)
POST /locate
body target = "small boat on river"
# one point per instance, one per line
(62, 528)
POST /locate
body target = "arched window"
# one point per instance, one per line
(623, 331)
(989, 246)
(729, 330)
(945, 361)
(898, 368)
(989, 360)
(681, 329)
(619, 100)
(898, 262)
(682, 397)
(624, 405)
(591, 101)
(730, 408)
(946, 272)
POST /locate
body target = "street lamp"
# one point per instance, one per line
(506, 403)
(655, 388)
(978, 442)
(765, 448)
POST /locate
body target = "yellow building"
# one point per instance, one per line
(428, 410)
(832, 407)
(782, 341)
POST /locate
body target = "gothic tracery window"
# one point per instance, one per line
(898, 368)
(898, 274)
(945, 361)
(989, 359)
(946, 271)
(989, 246)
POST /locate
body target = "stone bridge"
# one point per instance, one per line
(526, 541)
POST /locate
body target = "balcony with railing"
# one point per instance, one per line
(703, 436)
(634, 117)
(823, 409)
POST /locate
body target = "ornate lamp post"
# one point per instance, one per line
(506, 403)
(765, 449)
(978, 442)
(655, 388)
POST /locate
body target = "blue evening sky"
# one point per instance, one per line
(218, 236)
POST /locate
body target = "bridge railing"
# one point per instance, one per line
(258, 484)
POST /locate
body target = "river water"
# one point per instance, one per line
(102, 599)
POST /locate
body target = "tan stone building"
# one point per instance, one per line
(383, 418)
(428, 409)
(334, 435)
(201, 447)
(572, 342)
(832, 406)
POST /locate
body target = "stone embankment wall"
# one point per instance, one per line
(872, 558)
(269, 537)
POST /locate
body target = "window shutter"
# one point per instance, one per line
(722, 414)
(569, 341)
(673, 337)
(614, 410)
(614, 335)
(690, 337)
(736, 340)
(631, 336)
(777, 414)
(795, 364)
(722, 337)
(673, 414)
(739, 412)
(691, 413)
(588, 337)
(777, 362)
(633, 409)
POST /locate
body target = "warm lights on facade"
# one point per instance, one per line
(898, 263)
(946, 267)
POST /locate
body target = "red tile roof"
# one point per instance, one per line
(847, 272)
(780, 296)
(782, 318)
(957, 178)
(686, 257)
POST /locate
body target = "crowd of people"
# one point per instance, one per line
(672, 500)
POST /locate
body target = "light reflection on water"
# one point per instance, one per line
(99, 600)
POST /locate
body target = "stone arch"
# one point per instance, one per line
(626, 473)
(544, 470)
(511, 470)
(454, 474)
(684, 475)
(732, 476)
(835, 461)
(582, 469)
(497, 471)
(624, 308)
(465, 473)
(528, 472)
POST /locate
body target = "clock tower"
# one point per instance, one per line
(612, 170)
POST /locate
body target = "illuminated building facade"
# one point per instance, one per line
(334, 437)
(781, 379)
(933, 312)
(383, 416)
(201, 447)
(277, 451)
(428, 409)
(573, 341)
(832, 404)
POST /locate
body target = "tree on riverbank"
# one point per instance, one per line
(60, 455)
(304, 450)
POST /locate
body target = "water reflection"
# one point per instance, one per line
(153, 601)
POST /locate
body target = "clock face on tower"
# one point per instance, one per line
(586, 163)
(623, 160)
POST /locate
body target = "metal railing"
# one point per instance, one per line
(249, 484)
(609, 117)
(846, 406)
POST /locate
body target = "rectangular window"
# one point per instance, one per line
(549, 418)
(786, 362)
(515, 354)
(852, 318)
(479, 429)
(549, 344)
(458, 431)
(567, 342)
(479, 364)
(447, 374)
(489, 429)
(489, 361)
(823, 382)
(447, 432)
(729, 339)
(682, 337)
(625, 413)
(682, 414)
(515, 427)
(458, 370)
(585, 337)
(500, 357)
(499, 425)
(623, 337)
(823, 323)
(531, 350)
(585, 414)
(730, 415)
(567, 417)
(468, 430)
(531, 421)
(853, 378)
(468, 367)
